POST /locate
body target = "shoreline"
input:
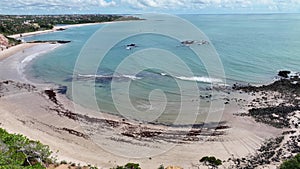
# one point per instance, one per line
(56, 119)
(14, 60)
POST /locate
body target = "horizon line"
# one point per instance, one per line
(225, 13)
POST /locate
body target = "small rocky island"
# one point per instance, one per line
(193, 42)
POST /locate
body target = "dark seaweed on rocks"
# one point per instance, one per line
(52, 96)
(277, 116)
(76, 133)
(274, 116)
(284, 86)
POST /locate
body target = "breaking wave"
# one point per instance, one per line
(196, 78)
(132, 77)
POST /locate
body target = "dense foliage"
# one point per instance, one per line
(129, 166)
(293, 163)
(211, 161)
(18, 152)
(17, 24)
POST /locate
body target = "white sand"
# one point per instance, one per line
(26, 112)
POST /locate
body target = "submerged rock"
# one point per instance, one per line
(62, 90)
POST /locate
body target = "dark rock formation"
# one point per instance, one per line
(266, 115)
(284, 73)
(51, 41)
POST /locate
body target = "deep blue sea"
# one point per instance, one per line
(251, 48)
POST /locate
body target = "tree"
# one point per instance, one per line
(18, 152)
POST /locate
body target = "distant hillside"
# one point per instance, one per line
(16, 24)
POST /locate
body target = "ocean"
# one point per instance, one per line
(250, 48)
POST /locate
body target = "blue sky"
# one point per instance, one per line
(141, 6)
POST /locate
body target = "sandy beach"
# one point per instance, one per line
(80, 135)
(90, 137)
(30, 112)
(13, 50)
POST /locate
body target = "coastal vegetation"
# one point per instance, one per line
(17, 151)
(211, 161)
(17, 24)
(13, 42)
(128, 166)
(293, 163)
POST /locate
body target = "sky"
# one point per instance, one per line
(147, 6)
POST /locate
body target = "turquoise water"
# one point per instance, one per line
(252, 49)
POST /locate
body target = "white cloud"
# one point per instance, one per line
(104, 3)
(229, 5)
(149, 5)
(192, 4)
(153, 3)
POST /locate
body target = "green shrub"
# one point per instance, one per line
(293, 163)
(63, 162)
(161, 167)
(212, 161)
(129, 166)
(17, 151)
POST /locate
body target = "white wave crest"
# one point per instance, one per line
(132, 77)
(196, 78)
(200, 79)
